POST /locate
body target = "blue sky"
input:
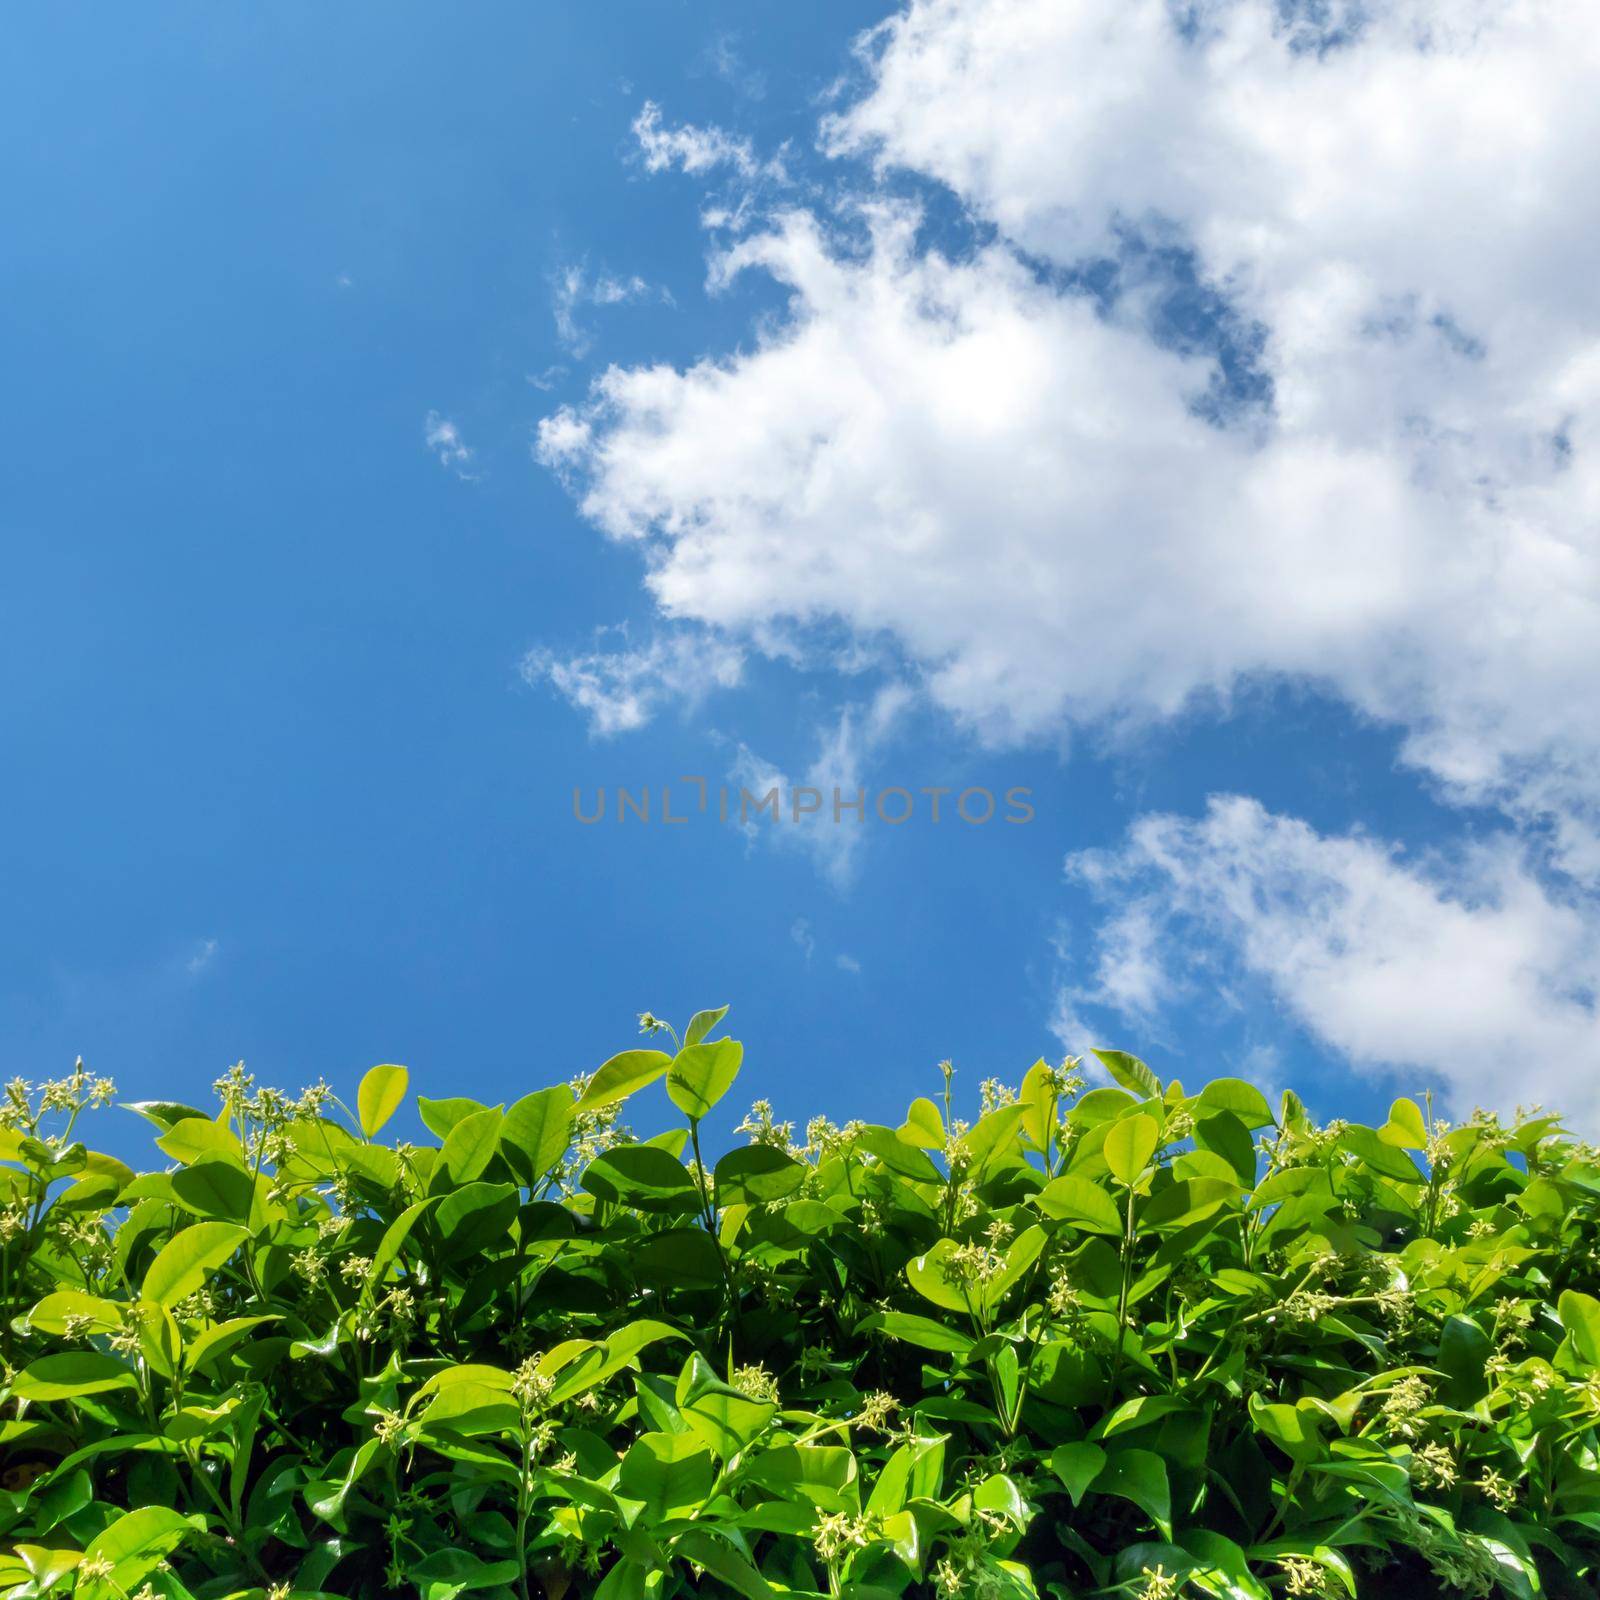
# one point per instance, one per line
(974, 445)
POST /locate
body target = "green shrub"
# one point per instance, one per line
(1128, 1341)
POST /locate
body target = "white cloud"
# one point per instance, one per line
(800, 932)
(844, 749)
(443, 437)
(574, 287)
(201, 957)
(698, 150)
(621, 690)
(1469, 974)
(1042, 502)
(1061, 507)
(847, 963)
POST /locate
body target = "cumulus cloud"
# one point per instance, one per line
(1031, 474)
(1466, 973)
(621, 690)
(988, 464)
(1395, 194)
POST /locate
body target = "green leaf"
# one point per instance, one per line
(195, 1137)
(476, 1216)
(1139, 1476)
(394, 1238)
(1292, 1112)
(1380, 1157)
(620, 1350)
(1405, 1126)
(440, 1116)
(1129, 1145)
(701, 1023)
(1101, 1105)
(914, 1471)
(922, 1331)
(188, 1258)
(898, 1156)
(1225, 1135)
(994, 1137)
(1244, 1100)
(924, 1126)
(701, 1074)
(756, 1174)
(724, 1418)
(679, 1258)
(536, 1131)
(670, 1473)
(998, 1492)
(52, 1314)
(623, 1075)
(644, 1177)
(1085, 1205)
(929, 1276)
(730, 1565)
(1021, 1254)
(1131, 1073)
(48, 1568)
(1292, 1428)
(215, 1188)
(446, 1573)
(472, 1410)
(214, 1342)
(1187, 1201)
(74, 1373)
(470, 1146)
(137, 1542)
(1580, 1316)
(379, 1097)
(1464, 1348)
(166, 1113)
(1228, 1564)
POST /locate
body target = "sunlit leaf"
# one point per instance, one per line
(380, 1095)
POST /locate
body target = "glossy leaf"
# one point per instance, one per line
(701, 1074)
(380, 1095)
(1085, 1205)
(188, 1258)
(1131, 1073)
(622, 1075)
(1129, 1145)
(536, 1131)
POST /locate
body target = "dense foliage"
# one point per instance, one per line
(1128, 1341)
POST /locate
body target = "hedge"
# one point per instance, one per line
(1125, 1340)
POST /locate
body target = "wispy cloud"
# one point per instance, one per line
(698, 150)
(443, 437)
(575, 287)
(844, 750)
(722, 59)
(201, 958)
(621, 690)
